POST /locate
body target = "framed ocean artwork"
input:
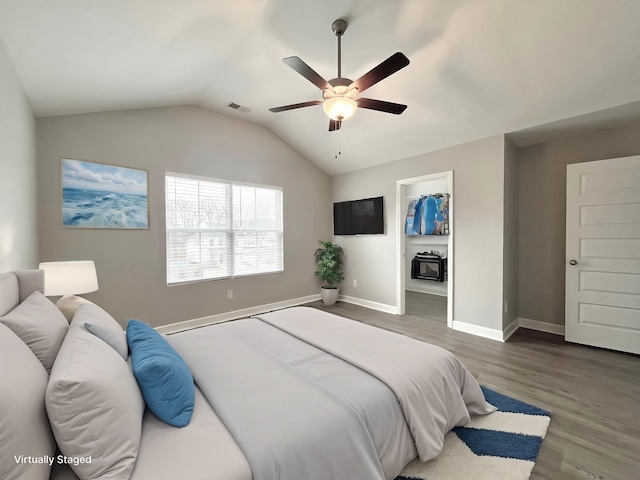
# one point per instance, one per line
(95, 195)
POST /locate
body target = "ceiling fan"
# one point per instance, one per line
(340, 95)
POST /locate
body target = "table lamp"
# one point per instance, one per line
(69, 279)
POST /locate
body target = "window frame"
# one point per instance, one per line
(229, 232)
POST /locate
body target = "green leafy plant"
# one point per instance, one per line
(329, 261)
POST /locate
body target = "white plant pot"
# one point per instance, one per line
(329, 295)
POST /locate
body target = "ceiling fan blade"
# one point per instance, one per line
(381, 106)
(307, 72)
(294, 106)
(334, 125)
(390, 66)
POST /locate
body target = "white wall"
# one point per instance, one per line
(18, 227)
(131, 264)
(478, 224)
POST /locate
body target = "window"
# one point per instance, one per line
(219, 229)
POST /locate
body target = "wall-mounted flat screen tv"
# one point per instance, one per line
(358, 217)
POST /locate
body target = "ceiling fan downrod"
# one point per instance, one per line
(339, 27)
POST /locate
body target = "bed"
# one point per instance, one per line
(292, 394)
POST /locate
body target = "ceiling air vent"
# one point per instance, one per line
(240, 108)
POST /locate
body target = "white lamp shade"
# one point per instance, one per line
(69, 278)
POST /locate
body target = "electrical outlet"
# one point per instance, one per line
(355, 283)
(229, 294)
(506, 307)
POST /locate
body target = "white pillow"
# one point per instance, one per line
(39, 324)
(95, 406)
(24, 427)
(103, 326)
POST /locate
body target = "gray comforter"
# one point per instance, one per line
(436, 392)
(295, 411)
(349, 401)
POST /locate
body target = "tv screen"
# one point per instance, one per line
(342, 224)
(358, 217)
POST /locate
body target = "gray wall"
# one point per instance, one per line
(131, 264)
(542, 182)
(510, 267)
(18, 227)
(478, 201)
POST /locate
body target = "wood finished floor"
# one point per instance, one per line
(425, 305)
(592, 394)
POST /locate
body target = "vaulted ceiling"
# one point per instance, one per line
(478, 67)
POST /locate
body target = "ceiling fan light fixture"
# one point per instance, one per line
(339, 108)
(339, 102)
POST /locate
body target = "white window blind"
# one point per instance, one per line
(219, 229)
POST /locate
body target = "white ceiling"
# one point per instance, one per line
(478, 67)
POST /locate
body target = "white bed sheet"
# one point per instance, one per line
(203, 450)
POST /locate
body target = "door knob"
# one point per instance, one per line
(573, 262)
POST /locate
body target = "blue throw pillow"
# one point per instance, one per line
(164, 379)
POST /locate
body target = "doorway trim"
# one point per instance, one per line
(400, 243)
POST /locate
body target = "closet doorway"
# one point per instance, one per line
(430, 254)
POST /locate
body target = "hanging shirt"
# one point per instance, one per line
(418, 227)
(411, 216)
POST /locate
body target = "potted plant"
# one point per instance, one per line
(329, 261)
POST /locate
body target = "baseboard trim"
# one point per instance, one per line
(478, 330)
(235, 314)
(510, 330)
(503, 336)
(430, 292)
(369, 304)
(541, 326)
(500, 336)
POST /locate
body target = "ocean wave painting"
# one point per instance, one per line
(103, 196)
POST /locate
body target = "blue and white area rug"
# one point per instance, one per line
(503, 445)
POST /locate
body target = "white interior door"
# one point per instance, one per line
(603, 254)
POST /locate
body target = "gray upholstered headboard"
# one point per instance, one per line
(16, 286)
